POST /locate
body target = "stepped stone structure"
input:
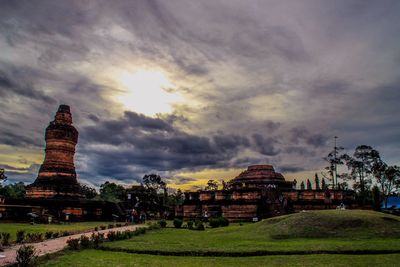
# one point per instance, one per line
(57, 176)
(260, 176)
(258, 192)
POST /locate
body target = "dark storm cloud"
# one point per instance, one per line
(179, 180)
(290, 169)
(14, 139)
(300, 150)
(243, 162)
(299, 134)
(26, 175)
(266, 146)
(14, 83)
(153, 144)
(263, 81)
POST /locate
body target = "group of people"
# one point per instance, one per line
(137, 217)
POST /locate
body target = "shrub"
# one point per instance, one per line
(162, 223)
(223, 221)
(154, 226)
(20, 236)
(5, 239)
(118, 225)
(26, 256)
(103, 227)
(190, 225)
(178, 223)
(85, 241)
(55, 234)
(200, 226)
(97, 239)
(110, 226)
(111, 236)
(29, 237)
(73, 243)
(48, 235)
(119, 235)
(96, 228)
(66, 233)
(39, 237)
(129, 234)
(214, 222)
(140, 230)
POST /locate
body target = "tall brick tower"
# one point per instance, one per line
(57, 176)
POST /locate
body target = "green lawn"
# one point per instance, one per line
(117, 259)
(308, 231)
(12, 228)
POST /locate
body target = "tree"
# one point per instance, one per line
(302, 187)
(87, 191)
(156, 189)
(316, 182)
(212, 185)
(176, 198)
(3, 176)
(154, 182)
(376, 198)
(360, 166)
(112, 192)
(323, 184)
(309, 186)
(334, 158)
(16, 190)
(387, 177)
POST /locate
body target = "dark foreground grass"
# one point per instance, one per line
(309, 231)
(12, 228)
(98, 258)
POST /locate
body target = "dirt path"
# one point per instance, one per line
(52, 245)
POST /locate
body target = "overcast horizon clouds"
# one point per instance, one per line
(247, 82)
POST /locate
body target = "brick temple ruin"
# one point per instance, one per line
(259, 192)
(57, 176)
(56, 192)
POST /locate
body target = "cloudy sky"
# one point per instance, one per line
(198, 90)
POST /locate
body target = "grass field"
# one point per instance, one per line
(309, 231)
(12, 228)
(117, 259)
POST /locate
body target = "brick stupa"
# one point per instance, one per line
(57, 176)
(260, 176)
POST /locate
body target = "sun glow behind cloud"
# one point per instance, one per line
(146, 92)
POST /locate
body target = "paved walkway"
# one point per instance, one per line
(52, 245)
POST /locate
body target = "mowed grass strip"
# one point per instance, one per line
(331, 230)
(101, 258)
(12, 228)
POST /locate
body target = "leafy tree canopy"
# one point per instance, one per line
(16, 190)
(87, 191)
(112, 192)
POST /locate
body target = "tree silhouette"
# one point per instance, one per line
(212, 185)
(316, 179)
(309, 187)
(361, 166)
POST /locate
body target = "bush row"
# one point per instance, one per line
(23, 237)
(197, 224)
(97, 238)
(110, 226)
(218, 222)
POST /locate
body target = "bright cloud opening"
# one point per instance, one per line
(146, 92)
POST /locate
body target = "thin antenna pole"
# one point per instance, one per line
(335, 163)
